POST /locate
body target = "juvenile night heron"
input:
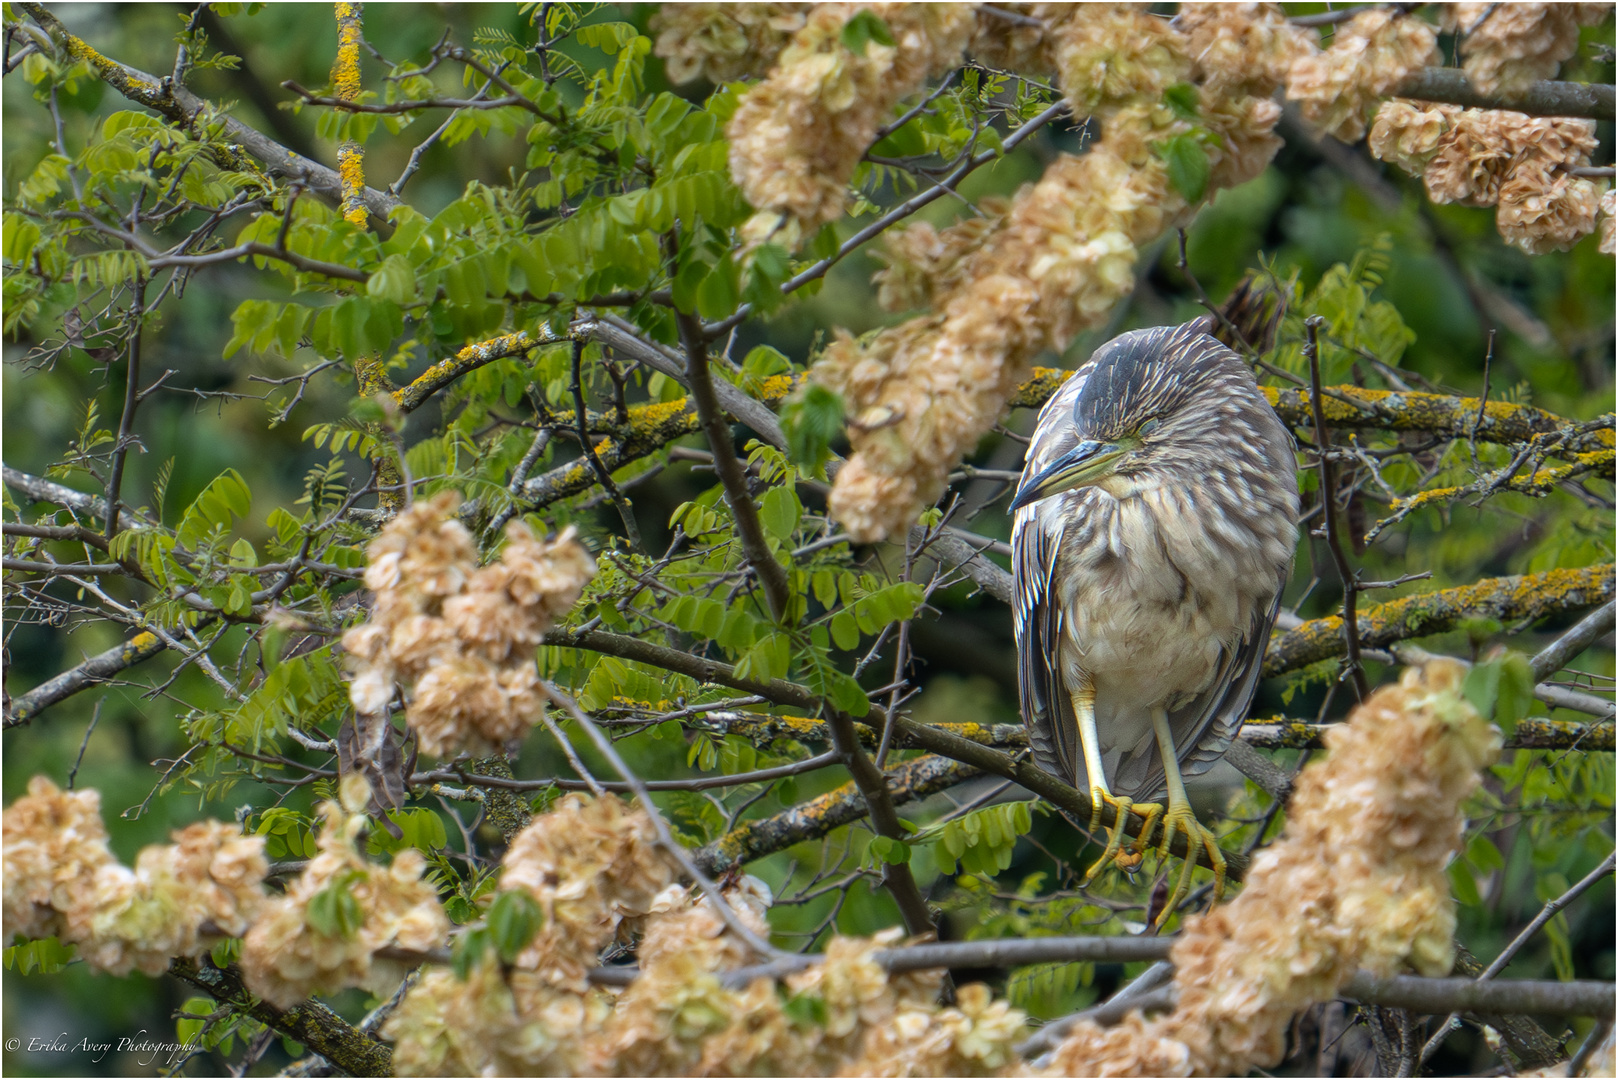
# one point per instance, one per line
(1154, 531)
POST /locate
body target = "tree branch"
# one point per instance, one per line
(924, 736)
(97, 669)
(183, 108)
(906, 782)
(771, 574)
(1508, 599)
(309, 1022)
(1545, 98)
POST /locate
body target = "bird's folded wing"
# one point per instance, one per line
(1047, 710)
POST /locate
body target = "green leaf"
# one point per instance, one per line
(779, 510)
(192, 1019)
(333, 911)
(1502, 689)
(1182, 99)
(892, 851)
(864, 28)
(717, 296)
(1462, 884)
(845, 632)
(514, 919)
(469, 948)
(811, 419)
(805, 1010)
(394, 280)
(1188, 166)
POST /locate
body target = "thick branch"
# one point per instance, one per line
(310, 1022)
(1390, 410)
(732, 474)
(1451, 86)
(1530, 733)
(183, 108)
(39, 489)
(755, 839)
(924, 736)
(96, 669)
(1509, 599)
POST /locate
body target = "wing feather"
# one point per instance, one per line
(1047, 710)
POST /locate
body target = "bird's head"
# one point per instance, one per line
(1148, 398)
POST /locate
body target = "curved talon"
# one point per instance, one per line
(1181, 819)
(1122, 808)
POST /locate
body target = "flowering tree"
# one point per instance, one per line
(640, 560)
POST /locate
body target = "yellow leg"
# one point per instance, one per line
(1181, 819)
(1084, 711)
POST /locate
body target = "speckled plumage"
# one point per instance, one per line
(1161, 581)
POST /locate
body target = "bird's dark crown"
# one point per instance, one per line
(1146, 374)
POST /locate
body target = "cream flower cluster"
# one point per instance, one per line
(1338, 90)
(590, 864)
(285, 958)
(61, 880)
(721, 42)
(796, 137)
(460, 638)
(1357, 882)
(1487, 157)
(1506, 47)
(1033, 272)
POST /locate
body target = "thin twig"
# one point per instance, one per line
(771, 574)
(664, 838)
(625, 509)
(1546, 914)
(1328, 496)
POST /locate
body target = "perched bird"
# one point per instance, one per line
(1154, 531)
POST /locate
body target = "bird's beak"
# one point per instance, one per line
(1084, 464)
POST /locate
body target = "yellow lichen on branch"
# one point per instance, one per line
(1530, 597)
(1356, 883)
(345, 79)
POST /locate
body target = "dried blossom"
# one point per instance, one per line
(1507, 47)
(721, 42)
(1482, 157)
(1242, 47)
(493, 1023)
(1541, 213)
(1030, 275)
(974, 1037)
(796, 138)
(460, 638)
(323, 935)
(61, 879)
(208, 884)
(1371, 54)
(1111, 54)
(920, 395)
(1609, 219)
(1357, 882)
(1025, 44)
(55, 843)
(591, 864)
(1408, 133)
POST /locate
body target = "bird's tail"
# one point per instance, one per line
(1248, 319)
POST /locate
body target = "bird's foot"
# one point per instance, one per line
(1182, 820)
(1129, 860)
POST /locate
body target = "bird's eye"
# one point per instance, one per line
(1149, 427)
